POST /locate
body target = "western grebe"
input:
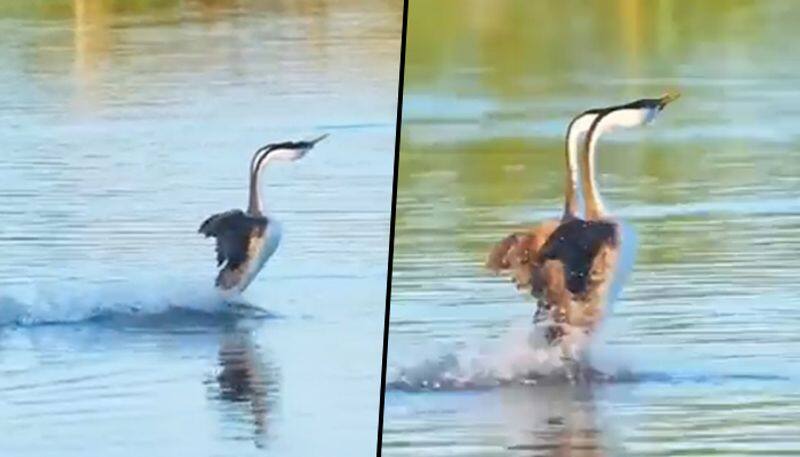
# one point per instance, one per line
(578, 262)
(246, 240)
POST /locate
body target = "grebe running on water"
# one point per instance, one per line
(246, 240)
(574, 270)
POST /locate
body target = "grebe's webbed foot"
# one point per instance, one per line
(243, 308)
(542, 312)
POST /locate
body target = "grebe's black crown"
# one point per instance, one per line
(642, 103)
(652, 103)
(304, 144)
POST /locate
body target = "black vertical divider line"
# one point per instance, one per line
(398, 128)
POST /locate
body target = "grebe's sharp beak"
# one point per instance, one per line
(318, 139)
(667, 99)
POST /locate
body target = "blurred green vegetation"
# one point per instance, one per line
(95, 40)
(512, 41)
(491, 86)
(60, 9)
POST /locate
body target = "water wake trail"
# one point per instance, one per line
(73, 301)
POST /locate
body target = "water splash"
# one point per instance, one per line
(68, 302)
(522, 358)
(519, 357)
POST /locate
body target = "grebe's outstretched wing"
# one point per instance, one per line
(233, 230)
(514, 254)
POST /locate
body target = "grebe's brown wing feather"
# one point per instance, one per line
(515, 253)
(498, 260)
(233, 230)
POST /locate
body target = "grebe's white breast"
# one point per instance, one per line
(629, 245)
(260, 250)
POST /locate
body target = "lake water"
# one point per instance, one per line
(126, 124)
(706, 329)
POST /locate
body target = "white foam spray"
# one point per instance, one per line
(520, 356)
(74, 301)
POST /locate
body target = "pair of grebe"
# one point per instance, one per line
(569, 264)
(247, 239)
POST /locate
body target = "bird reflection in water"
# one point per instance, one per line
(246, 379)
(554, 421)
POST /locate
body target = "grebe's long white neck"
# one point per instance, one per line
(578, 127)
(287, 151)
(634, 114)
(254, 206)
